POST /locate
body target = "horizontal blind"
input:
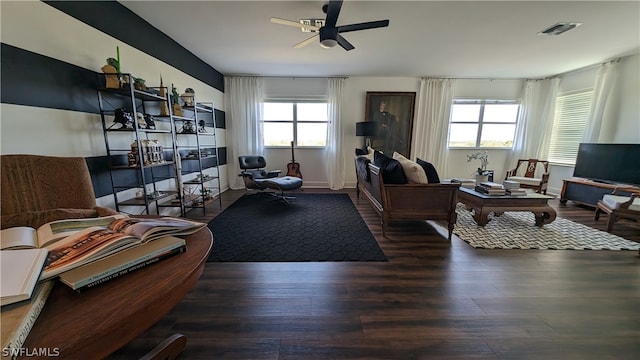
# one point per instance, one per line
(570, 120)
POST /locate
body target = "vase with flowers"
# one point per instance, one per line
(481, 173)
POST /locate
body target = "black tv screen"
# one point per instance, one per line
(610, 163)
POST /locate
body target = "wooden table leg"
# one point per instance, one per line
(546, 216)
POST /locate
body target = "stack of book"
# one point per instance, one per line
(513, 188)
(466, 183)
(490, 188)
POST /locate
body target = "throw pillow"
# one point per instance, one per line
(391, 169)
(430, 170)
(414, 172)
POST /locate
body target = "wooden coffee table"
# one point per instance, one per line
(95, 323)
(482, 205)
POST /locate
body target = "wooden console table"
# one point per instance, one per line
(587, 192)
(95, 323)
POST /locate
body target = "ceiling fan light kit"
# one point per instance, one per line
(329, 33)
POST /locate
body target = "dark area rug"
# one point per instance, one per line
(313, 227)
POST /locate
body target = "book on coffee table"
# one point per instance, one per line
(20, 270)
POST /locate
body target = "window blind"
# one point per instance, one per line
(570, 119)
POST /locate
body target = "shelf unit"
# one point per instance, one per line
(139, 177)
(197, 145)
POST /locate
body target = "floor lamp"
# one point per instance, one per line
(367, 129)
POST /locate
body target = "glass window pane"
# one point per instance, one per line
(463, 135)
(312, 111)
(465, 112)
(277, 111)
(500, 113)
(312, 134)
(497, 135)
(278, 134)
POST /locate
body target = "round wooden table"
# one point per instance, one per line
(99, 321)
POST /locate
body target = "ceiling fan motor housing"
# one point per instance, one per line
(328, 37)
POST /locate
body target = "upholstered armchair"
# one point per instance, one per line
(254, 172)
(531, 174)
(38, 189)
(618, 205)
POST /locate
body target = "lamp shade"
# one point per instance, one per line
(367, 128)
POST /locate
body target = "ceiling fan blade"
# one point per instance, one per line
(293, 23)
(333, 10)
(306, 42)
(344, 43)
(363, 26)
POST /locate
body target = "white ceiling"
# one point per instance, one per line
(465, 39)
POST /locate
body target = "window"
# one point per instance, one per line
(483, 123)
(304, 122)
(569, 123)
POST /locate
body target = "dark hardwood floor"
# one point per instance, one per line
(433, 299)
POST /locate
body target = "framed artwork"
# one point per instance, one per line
(393, 112)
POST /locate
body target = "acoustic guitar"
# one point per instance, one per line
(293, 168)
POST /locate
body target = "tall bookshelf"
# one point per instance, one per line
(141, 154)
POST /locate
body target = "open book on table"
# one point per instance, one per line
(76, 242)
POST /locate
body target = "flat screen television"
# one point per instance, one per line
(609, 163)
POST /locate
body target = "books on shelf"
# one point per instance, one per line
(18, 318)
(19, 273)
(121, 263)
(75, 242)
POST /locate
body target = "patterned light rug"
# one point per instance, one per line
(516, 230)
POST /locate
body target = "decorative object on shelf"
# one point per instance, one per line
(142, 124)
(123, 118)
(481, 173)
(139, 84)
(175, 101)
(164, 109)
(150, 121)
(188, 128)
(201, 128)
(152, 153)
(188, 97)
(112, 80)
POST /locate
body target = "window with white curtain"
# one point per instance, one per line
(569, 124)
(483, 123)
(302, 121)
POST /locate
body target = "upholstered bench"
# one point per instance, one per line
(282, 184)
(618, 206)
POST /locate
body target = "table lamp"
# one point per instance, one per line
(367, 129)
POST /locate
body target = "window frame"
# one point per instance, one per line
(481, 122)
(295, 121)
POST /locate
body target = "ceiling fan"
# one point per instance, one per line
(328, 32)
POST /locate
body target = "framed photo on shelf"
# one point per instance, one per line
(393, 112)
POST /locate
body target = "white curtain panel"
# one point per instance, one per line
(535, 121)
(431, 125)
(601, 122)
(243, 104)
(333, 150)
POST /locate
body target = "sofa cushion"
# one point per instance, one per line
(392, 172)
(614, 201)
(525, 180)
(414, 172)
(430, 171)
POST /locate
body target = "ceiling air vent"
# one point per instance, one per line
(559, 28)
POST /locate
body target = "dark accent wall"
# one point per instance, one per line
(36, 80)
(121, 23)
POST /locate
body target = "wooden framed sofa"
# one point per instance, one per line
(408, 201)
